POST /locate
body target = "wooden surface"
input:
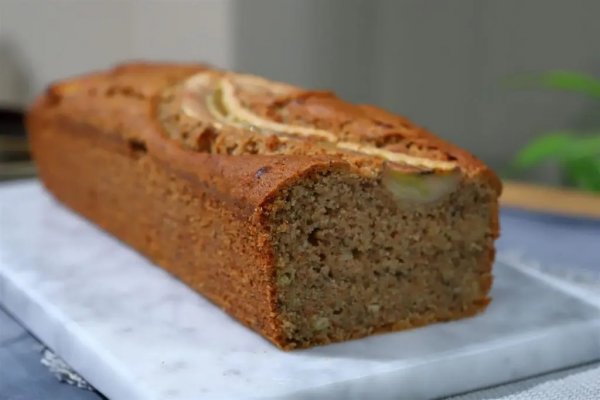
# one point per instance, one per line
(550, 199)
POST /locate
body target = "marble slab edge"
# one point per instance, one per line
(70, 342)
(422, 380)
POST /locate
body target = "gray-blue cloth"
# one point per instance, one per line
(22, 375)
(558, 243)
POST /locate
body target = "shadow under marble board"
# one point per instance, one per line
(135, 332)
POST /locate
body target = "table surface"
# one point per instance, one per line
(551, 199)
(566, 244)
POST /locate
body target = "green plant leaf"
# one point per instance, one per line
(582, 164)
(577, 154)
(579, 157)
(572, 81)
(584, 172)
(551, 146)
(583, 146)
(560, 80)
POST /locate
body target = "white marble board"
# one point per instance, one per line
(134, 332)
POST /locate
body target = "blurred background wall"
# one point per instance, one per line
(441, 63)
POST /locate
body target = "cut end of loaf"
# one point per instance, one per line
(352, 259)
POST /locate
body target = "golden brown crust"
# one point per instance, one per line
(134, 89)
(98, 140)
(118, 106)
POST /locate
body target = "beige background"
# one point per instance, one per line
(44, 40)
(441, 63)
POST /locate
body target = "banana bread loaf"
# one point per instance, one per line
(308, 219)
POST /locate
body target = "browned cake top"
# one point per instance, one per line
(227, 114)
(282, 119)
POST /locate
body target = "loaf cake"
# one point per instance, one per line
(308, 219)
